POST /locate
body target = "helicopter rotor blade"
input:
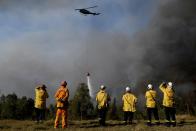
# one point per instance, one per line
(91, 7)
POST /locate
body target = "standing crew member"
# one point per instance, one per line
(102, 99)
(151, 105)
(129, 105)
(169, 103)
(40, 102)
(61, 97)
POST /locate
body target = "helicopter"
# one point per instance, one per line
(87, 12)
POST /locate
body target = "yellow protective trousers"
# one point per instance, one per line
(61, 113)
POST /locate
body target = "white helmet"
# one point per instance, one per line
(170, 84)
(102, 87)
(149, 86)
(128, 89)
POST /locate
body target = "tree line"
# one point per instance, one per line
(81, 106)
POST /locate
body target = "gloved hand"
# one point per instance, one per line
(164, 84)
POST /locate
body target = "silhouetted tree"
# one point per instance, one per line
(81, 106)
(12, 107)
(113, 111)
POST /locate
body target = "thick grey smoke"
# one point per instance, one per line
(168, 45)
(166, 48)
(164, 51)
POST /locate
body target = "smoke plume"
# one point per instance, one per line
(167, 45)
(162, 51)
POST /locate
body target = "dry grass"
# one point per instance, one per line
(185, 123)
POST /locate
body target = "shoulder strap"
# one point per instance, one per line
(103, 97)
(152, 96)
(127, 101)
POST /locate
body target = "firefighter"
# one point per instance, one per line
(40, 102)
(129, 105)
(169, 103)
(102, 99)
(61, 97)
(151, 105)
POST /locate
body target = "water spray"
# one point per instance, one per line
(89, 84)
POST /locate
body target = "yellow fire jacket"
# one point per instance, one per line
(62, 96)
(40, 98)
(168, 96)
(150, 98)
(129, 102)
(102, 99)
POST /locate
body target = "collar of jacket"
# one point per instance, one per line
(102, 91)
(63, 88)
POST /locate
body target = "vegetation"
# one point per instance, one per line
(185, 123)
(12, 107)
(114, 112)
(81, 107)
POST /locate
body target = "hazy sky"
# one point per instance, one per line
(45, 41)
(131, 42)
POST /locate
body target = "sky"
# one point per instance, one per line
(131, 43)
(34, 16)
(47, 41)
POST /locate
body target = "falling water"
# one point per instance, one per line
(89, 85)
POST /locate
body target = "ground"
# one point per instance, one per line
(183, 124)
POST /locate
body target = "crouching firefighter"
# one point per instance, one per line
(102, 99)
(151, 105)
(169, 103)
(61, 97)
(129, 105)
